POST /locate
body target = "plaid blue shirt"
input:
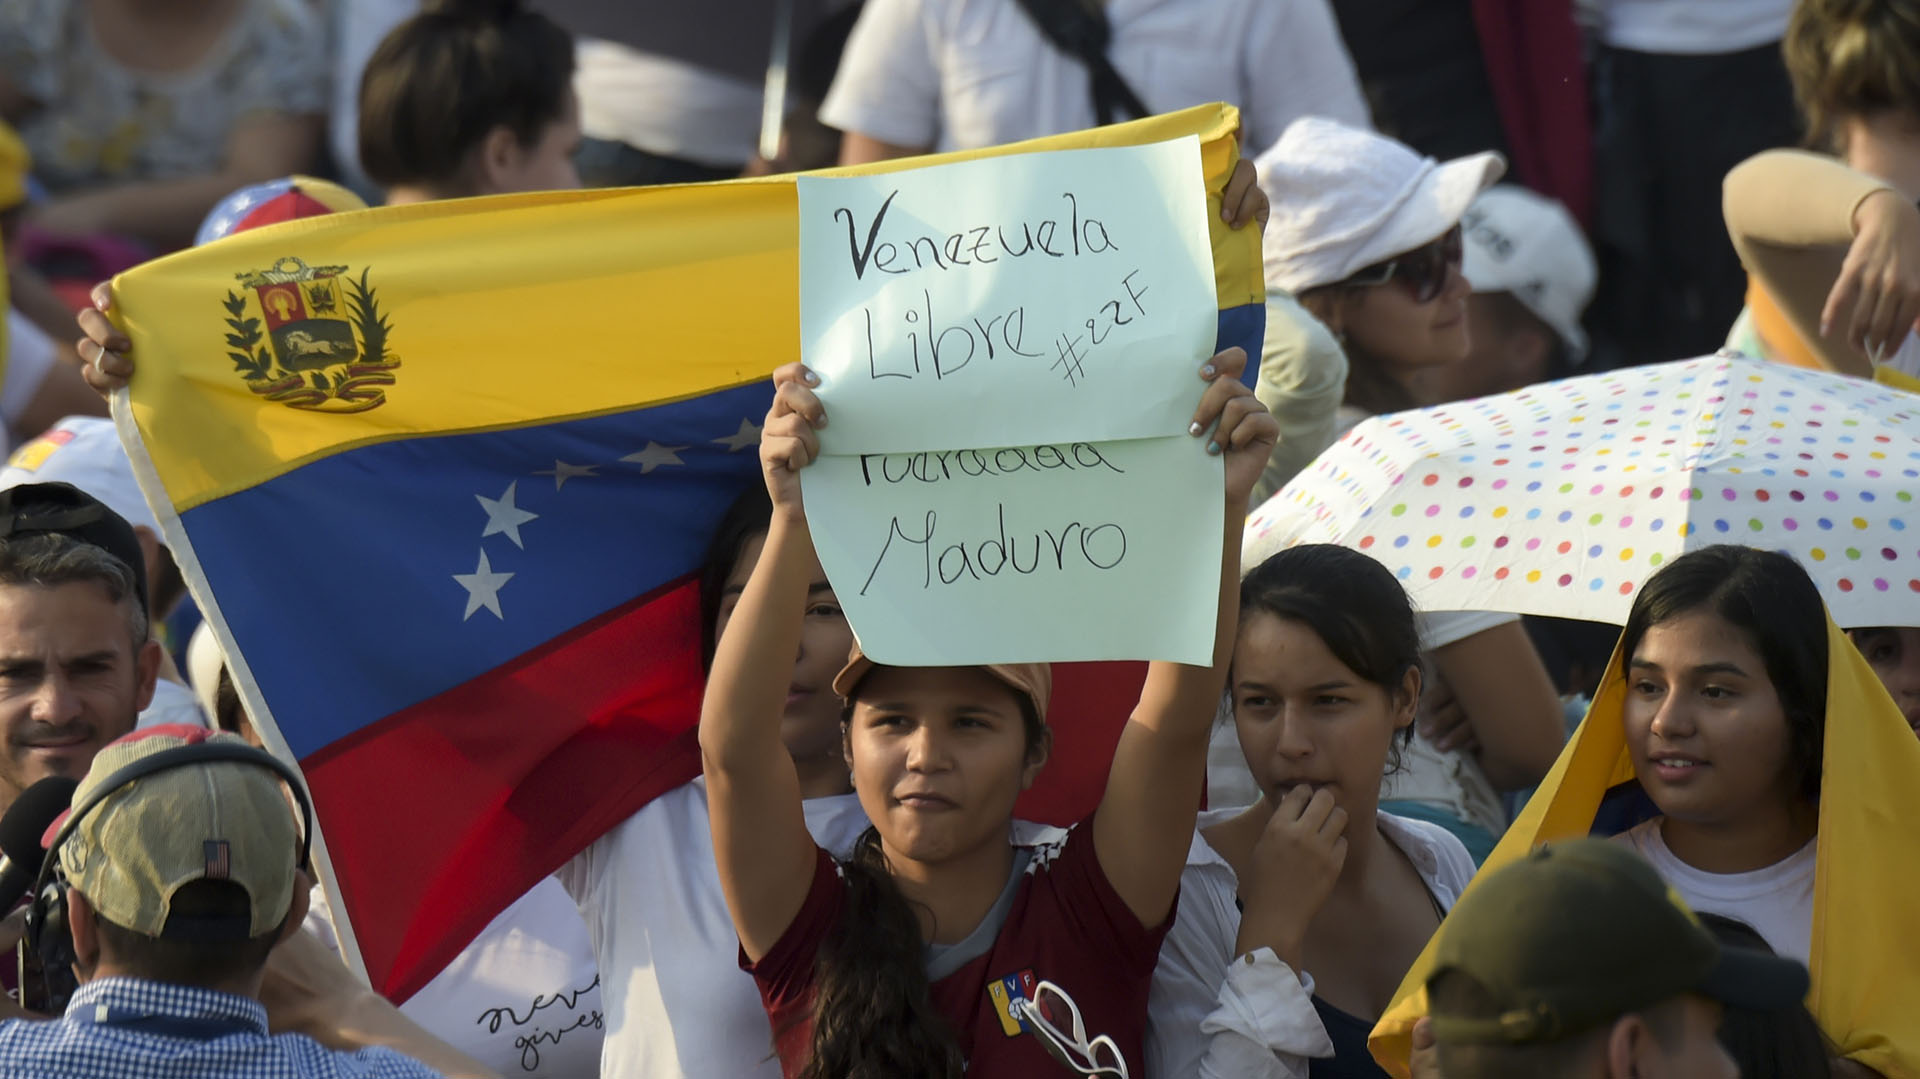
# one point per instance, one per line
(129, 1028)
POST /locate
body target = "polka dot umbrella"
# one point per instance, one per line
(1561, 498)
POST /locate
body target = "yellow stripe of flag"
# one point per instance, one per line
(515, 310)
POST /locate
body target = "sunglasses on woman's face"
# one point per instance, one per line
(1423, 270)
(1054, 1018)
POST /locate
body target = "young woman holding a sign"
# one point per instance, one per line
(921, 955)
(1300, 914)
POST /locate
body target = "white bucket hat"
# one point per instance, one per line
(1345, 198)
(1529, 245)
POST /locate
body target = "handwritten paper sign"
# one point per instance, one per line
(984, 302)
(1008, 352)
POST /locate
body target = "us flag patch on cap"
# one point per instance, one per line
(219, 859)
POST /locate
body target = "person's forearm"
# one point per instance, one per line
(369, 1020)
(1264, 927)
(1791, 216)
(747, 687)
(1498, 680)
(162, 213)
(33, 296)
(61, 394)
(308, 990)
(1791, 198)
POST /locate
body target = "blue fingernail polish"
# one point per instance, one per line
(1207, 371)
(1213, 448)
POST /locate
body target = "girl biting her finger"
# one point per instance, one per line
(1300, 913)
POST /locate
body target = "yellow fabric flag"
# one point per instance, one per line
(1899, 380)
(344, 422)
(1866, 940)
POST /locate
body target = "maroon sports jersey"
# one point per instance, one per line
(1066, 925)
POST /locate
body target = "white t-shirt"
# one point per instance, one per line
(665, 106)
(523, 998)
(961, 74)
(30, 356)
(1212, 1015)
(677, 1003)
(172, 703)
(1776, 902)
(1693, 26)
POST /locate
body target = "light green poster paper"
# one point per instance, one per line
(1008, 351)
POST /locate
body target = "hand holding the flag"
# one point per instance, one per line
(1233, 420)
(103, 351)
(1425, 1062)
(790, 441)
(1242, 200)
(1296, 861)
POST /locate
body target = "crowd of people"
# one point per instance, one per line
(1455, 199)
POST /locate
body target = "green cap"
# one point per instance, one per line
(219, 820)
(1579, 933)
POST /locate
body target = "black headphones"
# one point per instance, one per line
(46, 931)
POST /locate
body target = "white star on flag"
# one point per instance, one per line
(503, 517)
(654, 456)
(483, 588)
(748, 435)
(562, 472)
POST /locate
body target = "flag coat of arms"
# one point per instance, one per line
(442, 476)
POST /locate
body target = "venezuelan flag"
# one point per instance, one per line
(441, 477)
(1866, 942)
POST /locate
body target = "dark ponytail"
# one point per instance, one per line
(873, 1012)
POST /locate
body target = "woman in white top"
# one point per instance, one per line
(677, 1003)
(1300, 914)
(1725, 720)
